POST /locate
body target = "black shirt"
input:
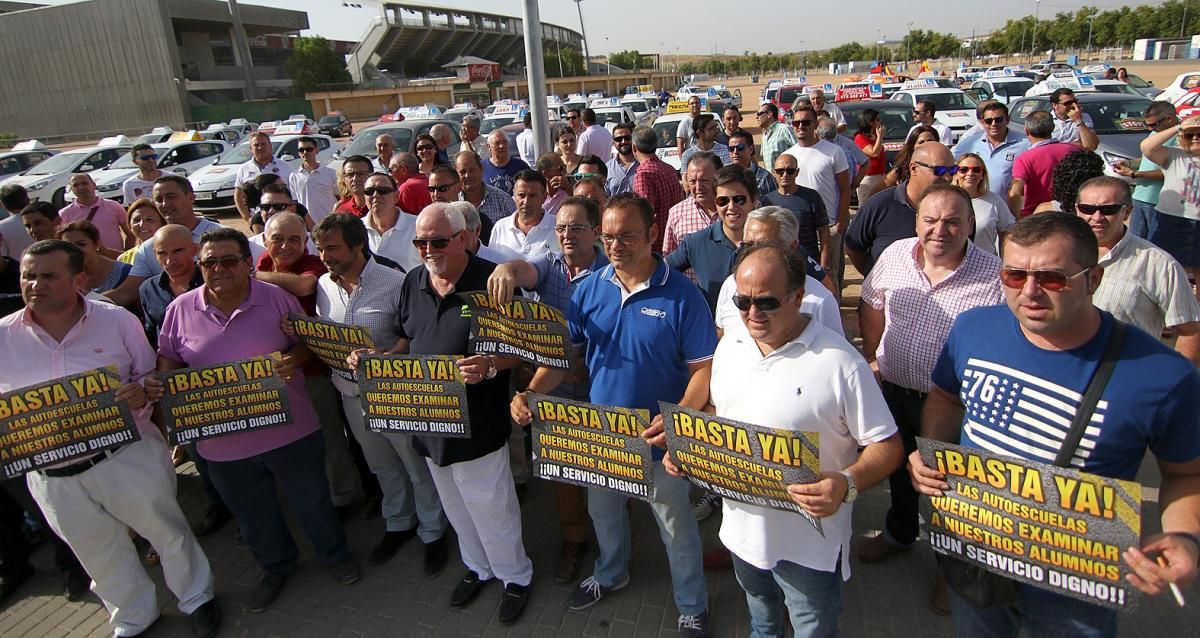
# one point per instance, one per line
(883, 220)
(156, 295)
(442, 325)
(10, 286)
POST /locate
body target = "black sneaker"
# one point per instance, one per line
(214, 518)
(695, 625)
(435, 557)
(389, 545)
(466, 590)
(206, 620)
(590, 591)
(76, 584)
(265, 592)
(346, 572)
(512, 603)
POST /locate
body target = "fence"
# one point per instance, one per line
(256, 111)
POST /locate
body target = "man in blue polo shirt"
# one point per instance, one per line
(647, 337)
(997, 144)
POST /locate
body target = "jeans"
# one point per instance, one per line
(1144, 219)
(677, 527)
(902, 525)
(1039, 612)
(214, 497)
(812, 597)
(297, 470)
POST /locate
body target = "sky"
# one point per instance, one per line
(704, 27)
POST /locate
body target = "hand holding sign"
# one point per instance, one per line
(823, 497)
(925, 479)
(133, 394)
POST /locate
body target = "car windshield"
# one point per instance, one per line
(897, 120)
(493, 123)
(1109, 117)
(330, 120)
(637, 106)
(456, 116)
(58, 164)
(946, 101)
(665, 132)
(1136, 81)
(604, 117)
(1116, 88)
(242, 154)
(148, 138)
(364, 143)
(787, 96)
(1013, 89)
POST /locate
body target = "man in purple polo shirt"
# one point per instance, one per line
(234, 316)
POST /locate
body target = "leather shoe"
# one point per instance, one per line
(214, 518)
(877, 548)
(512, 603)
(10, 583)
(389, 545)
(466, 590)
(372, 508)
(569, 559)
(436, 554)
(940, 602)
(346, 572)
(76, 583)
(206, 620)
(265, 593)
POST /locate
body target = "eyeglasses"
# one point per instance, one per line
(307, 149)
(992, 121)
(143, 158)
(436, 243)
(579, 176)
(442, 188)
(940, 171)
(740, 200)
(356, 174)
(378, 190)
(787, 170)
(1189, 134)
(622, 138)
(624, 239)
(765, 304)
(967, 170)
(1069, 103)
(916, 112)
(279, 208)
(228, 261)
(1103, 209)
(1049, 279)
(799, 123)
(572, 228)
(738, 147)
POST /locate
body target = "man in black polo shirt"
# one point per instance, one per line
(472, 474)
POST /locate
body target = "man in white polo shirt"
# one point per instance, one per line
(529, 231)
(262, 160)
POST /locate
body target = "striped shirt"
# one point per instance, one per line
(496, 204)
(555, 285)
(658, 183)
(918, 316)
(373, 305)
(685, 218)
(1145, 286)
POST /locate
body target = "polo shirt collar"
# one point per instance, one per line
(1043, 143)
(803, 341)
(657, 278)
(254, 298)
(716, 233)
(901, 196)
(197, 280)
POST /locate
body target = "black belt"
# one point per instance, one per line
(908, 392)
(82, 466)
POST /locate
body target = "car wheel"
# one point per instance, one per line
(59, 199)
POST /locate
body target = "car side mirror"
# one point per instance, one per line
(287, 157)
(85, 168)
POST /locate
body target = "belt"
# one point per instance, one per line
(908, 392)
(82, 466)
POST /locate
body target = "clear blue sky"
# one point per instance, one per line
(708, 25)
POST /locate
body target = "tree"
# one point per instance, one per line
(629, 60)
(314, 64)
(849, 51)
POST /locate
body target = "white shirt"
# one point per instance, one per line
(1145, 286)
(14, 239)
(495, 254)
(539, 241)
(817, 301)
(946, 136)
(525, 149)
(377, 165)
(249, 170)
(835, 113)
(684, 129)
(595, 140)
(818, 383)
(1067, 130)
(316, 189)
(136, 188)
(992, 217)
(395, 244)
(819, 165)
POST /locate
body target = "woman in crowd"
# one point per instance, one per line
(899, 172)
(870, 139)
(103, 273)
(426, 148)
(564, 144)
(144, 220)
(992, 216)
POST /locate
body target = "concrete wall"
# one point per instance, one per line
(89, 67)
(369, 104)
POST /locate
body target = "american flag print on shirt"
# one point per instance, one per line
(1012, 412)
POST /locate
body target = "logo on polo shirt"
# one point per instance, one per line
(1010, 157)
(653, 312)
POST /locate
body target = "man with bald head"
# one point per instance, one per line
(891, 214)
(385, 146)
(500, 168)
(414, 185)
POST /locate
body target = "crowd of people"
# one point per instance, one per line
(715, 287)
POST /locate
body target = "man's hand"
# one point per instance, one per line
(286, 366)
(1179, 554)
(154, 388)
(286, 326)
(655, 434)
(474, 368)
(1121, 167)
(823, 497)
(1075, 113)
(670, 466)
(355, 355)
(132, 393)
(502, 283)
(519, 410)
(925, 479)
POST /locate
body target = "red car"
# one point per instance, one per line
(785, 97)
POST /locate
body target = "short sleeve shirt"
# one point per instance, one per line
(249, 170)
(1145, 286)
(538, 241)
(135, 188)
(317, 189)
(884, 219)
(1036, 168)
(396, 242)
(819, 165)
(1067, 130)
(502, 177)
(156, 295)
(1180, 194)
(108, 219)
(808, 207)
(709, 254)
(998, 158)
(875, 165)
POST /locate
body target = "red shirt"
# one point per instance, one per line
(656, 181)
(306, 265)
(875, 165)
(1036, 168)
(414, 194)
(348, 206)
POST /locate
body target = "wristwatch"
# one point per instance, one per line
(492, 371)
(851, 490)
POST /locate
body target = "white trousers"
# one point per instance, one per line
(92, 511)
(481, 503)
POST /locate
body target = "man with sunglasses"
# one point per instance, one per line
(491, 202)
(314, 186)
(1033, 170)
(699, 210)
(741, 151)
(1071, 124)
(997, 144)
(141, 183)
(909, 302)
(646, 336)
(595, 138)
(1148, 177)
(890, 215)
(806, 204)
(925, 114)
(414, 185)
(777, 137)
(1142, 285)
(623, 164)
(1046, 343)
(389, 231)
(262, 160)
(575, 119)
(355, 171)
(823, 167)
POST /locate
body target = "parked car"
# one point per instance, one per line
(20, 157)
(1116, 120)
(335, 124)
(1182, 83)
(47, 180)
(897, 120)
(214, 184)
(403, 133)
(955, 108)
(181, 158)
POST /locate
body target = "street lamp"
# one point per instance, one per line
(608, 59)
(583, 32)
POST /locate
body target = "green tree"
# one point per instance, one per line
(630, 60)
(314, 64)
(849, 51)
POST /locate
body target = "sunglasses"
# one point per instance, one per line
(1189, 134)
(740, 200)
(622, 138)
(1047, 279)
(916, 112)
(380, 190)
(228, 261)
(1104, 209)
(738, 147)
(579, 176)
(800, 123)
(307, 149)
(1069, 103)
(572, 117)
(438, 243)
(279, 208)
(762, 113)
(967, 170)
(424, 147)
(788, 170)
(940, 171)
(572, 228)
(143, 158)
(992, 121)
(441, 189)
(765, 304)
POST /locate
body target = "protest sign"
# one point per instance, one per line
(228, 398)
(329, 341)
(1059, 529)
(592, 445)
(62, 420)
(532, 331)
(740, 461)
(414, 394)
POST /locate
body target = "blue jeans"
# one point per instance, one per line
(679, 531)
(1039, 612)
(812, 597)
(1144, 219)
(297, 469)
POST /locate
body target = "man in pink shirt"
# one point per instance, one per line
(414, 185)
(1033, 170)
(105, 214)
(92, 503)
(234, 316)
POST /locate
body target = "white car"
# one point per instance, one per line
(955, 109)
(180, 158)
(1003, 89)
(1080, 84)
(642, 113)
(214, 184)
(1183, 83)
(664, 130)
(47, 181)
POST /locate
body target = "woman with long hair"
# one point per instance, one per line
(565, 142)
(103, 273)
(426, 148)
(870, 139)
(144, 220)
(992, 216)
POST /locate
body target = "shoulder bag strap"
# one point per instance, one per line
(92, 213)
(1091, 396)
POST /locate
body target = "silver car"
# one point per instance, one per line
(1116, 119)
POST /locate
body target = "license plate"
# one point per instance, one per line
(200, 195)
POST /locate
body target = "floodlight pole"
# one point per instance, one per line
(535, 64)
(582, 31)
